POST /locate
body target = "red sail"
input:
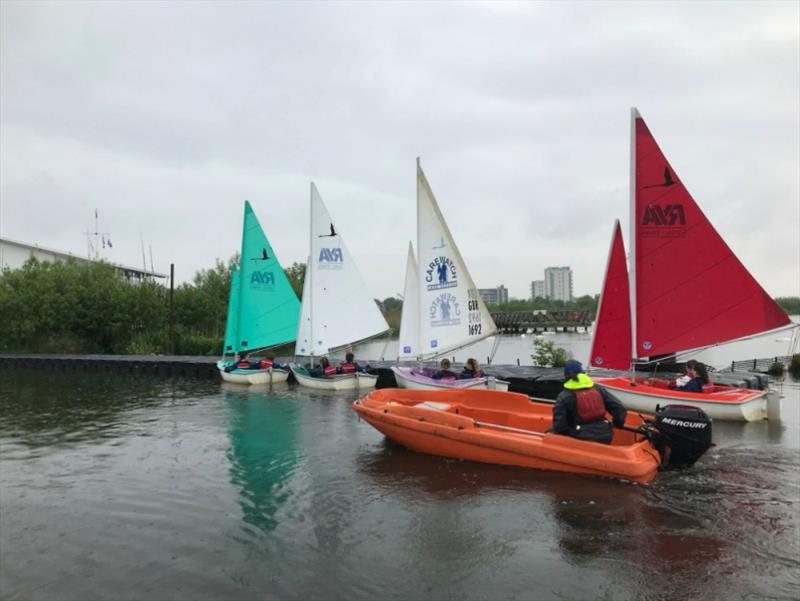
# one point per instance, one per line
(611, 345)
(691, 290)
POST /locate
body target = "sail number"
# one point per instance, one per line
(474, 315)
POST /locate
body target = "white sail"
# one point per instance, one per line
(451, 312)
(337, 307)
(408, 342)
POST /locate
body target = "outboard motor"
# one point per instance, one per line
(682, 434)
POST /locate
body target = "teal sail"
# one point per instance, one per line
(232, 324)
(268, 308)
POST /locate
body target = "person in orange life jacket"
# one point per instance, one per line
(580, 408)
(243, 363)
(696, 377)
(471, 370)
(444, 372)
(324, 369)
(350, 366)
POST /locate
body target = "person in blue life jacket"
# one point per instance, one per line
(349, 366)
(323, 370)
(696, 377)
(580, 409)
(444, 372)
(471, 370)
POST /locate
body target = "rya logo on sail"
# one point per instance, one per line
(441, 273)
(664, 221)
(262, 279)
(445, 311)
(330, 258)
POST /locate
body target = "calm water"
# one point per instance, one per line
(137, 488)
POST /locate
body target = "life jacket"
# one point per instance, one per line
(446, 375)
(589, 405)
(329, 371)
(348, 368)
(266, 363)
(468, 373)
(243, 364)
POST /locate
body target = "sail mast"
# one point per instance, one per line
(419, 287)
(632, 237)
(309, 271)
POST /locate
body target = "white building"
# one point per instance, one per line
(558, 283)
(537, 289)
(494, 296)
(14, 254)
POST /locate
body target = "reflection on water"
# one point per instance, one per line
(263, 434)
(148, 489)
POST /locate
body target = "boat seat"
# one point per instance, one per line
(434, 405)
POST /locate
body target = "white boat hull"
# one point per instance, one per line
(354, 381)
(274, 375)
(750, 410)
(404, 381)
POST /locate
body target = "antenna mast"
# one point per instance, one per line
(93, 247)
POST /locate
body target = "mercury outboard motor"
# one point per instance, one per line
(681, 434)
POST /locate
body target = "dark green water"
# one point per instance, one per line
(135, 488)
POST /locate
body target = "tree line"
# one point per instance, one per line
(80, 307)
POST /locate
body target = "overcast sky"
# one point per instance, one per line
(165, 117)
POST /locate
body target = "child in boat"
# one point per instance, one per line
(580, 408)
(240, 362)
(696, 377)
(471, 370)
(444, 372)
(324, 369)
(349, 366)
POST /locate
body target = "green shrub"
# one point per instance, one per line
(547, 354)
(196, 344)
(776, 369)
(794, 367)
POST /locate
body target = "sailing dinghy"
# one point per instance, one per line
(337, 310)
(686, 290)
(442, 310)
(263, 310)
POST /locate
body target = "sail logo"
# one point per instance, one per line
(445, 311)
(441, 273)
(668, 221)
(262, 280)
(407, 350)
(331, 258)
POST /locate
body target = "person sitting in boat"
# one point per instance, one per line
(267, 362)
(239, 362)
(471, 370)
(349, 366)
(580, 409)
(324, 369)
(444, 372)
(696, 377)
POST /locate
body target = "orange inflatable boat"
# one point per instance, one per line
(509, 429)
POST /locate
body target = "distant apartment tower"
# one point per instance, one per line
(494, 296)
(537, 289)
(558, 283)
